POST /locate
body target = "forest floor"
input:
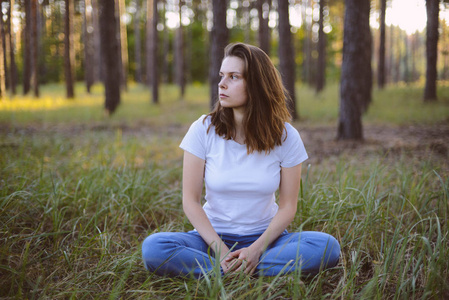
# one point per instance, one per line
(389, 141)
(414, 140)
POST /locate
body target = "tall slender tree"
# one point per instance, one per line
(381, 63)
(35, 48)
(89, 49)
(152, 47)
(98, 68)
(321, 62)
(123, 37)
(2, 64)
(69, 52)
(433, 10)
(180, 63)
(11, 51)
(137, 43)
(263, 9)
(166, 48)
(286, 56)
(110, 54)
(219, 38)
(353, 71)
(27, 49)
(3, 38)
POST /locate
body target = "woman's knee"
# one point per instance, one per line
(154, 249)
(332, 251)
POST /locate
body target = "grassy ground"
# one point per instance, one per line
(80, 191)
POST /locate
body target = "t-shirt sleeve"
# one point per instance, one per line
(293, 150)
(195, 139)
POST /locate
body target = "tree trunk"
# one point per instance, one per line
(219, 38)
(368, 71)
(110, 53)
(98, 68)
(321, 63)
(353, 72)
(137, 43)
(381, 63)
(12, 60)
(263, 8)
(152, 46)
(2, 63)
(88, 46)
(414, 49)
(34, 48)
(180, 69)
(406, 58)
(286, 57)
(123, 44)
(69, 53)
(433, 10)
(166, 50)
(5, 47)
(27, 49)
(247, 18)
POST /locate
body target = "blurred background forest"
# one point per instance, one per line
(48, 41)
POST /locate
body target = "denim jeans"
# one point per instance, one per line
(186, 253)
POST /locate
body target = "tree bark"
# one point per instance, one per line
(3, 39)
(166, 50)
(321, 62)
(34, 47)
(2, 63)
(263, 9)
(152, 46)
(123, 44)
(381, 63)
(98, 68)
(110, 53)
(12, 60)
(88, 46)
(137, 43)
(69, 53)
(430, 89)
(180, 63)
(286, 57)
(219, 38)
(27, 49)
(353, 72)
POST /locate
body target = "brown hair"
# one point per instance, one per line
(266, 109)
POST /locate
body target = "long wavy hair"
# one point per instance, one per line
(266, 108)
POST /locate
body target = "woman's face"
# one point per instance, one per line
(232, 85)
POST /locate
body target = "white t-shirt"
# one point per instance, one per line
(240, 188)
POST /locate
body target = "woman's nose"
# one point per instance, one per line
(221, 83)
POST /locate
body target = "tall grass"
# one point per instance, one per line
(79, 192)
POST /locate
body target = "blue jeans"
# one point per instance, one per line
(186, 253)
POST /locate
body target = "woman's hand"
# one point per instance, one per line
(245, 259)
(229, 264)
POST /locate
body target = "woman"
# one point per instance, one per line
(244, 151)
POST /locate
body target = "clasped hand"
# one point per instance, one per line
(243, 259)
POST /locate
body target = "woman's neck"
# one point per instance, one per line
(239, 129)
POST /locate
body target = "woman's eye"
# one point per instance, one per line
(234, 77)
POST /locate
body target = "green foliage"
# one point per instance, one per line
(79, 192)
